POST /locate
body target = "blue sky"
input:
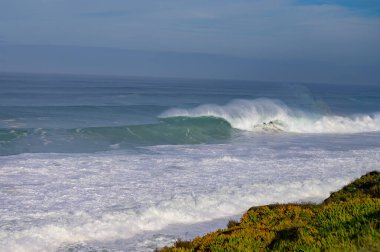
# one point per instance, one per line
(329, 32)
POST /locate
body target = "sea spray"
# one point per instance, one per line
(274, 115)
(88, 164)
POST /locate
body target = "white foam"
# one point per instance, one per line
(51, 201)
(268, 114)
(185, 210)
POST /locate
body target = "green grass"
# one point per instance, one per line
(349, 220)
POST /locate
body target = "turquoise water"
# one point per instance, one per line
(52, 113)
(102, 163)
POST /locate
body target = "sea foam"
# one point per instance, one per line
(57, 201)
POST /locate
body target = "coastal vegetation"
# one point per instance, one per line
(349, 220)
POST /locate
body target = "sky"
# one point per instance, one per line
(301, 40)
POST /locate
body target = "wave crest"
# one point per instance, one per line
(274, 115)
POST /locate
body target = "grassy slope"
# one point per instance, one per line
(349, 220)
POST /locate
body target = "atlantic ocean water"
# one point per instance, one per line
(97, 163)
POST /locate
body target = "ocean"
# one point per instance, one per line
(105, 163)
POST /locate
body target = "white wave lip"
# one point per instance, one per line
(273, 115)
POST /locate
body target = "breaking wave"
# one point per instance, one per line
(273, 115)
(204, 124)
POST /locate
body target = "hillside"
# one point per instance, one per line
(349, 220)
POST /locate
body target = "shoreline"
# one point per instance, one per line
(349, 220)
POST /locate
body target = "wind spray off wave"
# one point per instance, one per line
(88, 164)
(273, 115)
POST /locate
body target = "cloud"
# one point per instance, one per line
(264, 29)
(298, 37)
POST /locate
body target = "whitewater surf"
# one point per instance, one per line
(91, 163)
